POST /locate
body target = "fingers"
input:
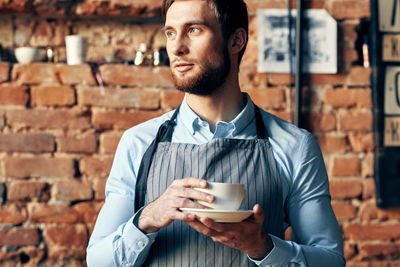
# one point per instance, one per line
(191, 182)
(258, 214)
(218, 227)
(201, 228)
(186, 188)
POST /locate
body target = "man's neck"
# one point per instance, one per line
(223, 105)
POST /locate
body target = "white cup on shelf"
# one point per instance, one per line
(76, 49)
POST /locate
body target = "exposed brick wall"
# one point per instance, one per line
(58, 130)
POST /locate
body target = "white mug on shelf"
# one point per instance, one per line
(76, 49)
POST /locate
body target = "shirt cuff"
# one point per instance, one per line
(135, 221)
(136, 244)
(279, 256)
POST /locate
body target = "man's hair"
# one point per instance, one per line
(231, 15)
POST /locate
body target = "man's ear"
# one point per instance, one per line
(238, 40)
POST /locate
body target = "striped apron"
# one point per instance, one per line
(249, 162)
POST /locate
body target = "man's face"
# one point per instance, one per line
(197, 51)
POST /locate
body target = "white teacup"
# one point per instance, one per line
(227, 196)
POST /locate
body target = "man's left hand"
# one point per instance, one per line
(247, 236)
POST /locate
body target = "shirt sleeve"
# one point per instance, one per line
(116, 239)
(314, 225)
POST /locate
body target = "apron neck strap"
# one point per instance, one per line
(261, 132)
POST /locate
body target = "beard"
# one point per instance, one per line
(208, 81)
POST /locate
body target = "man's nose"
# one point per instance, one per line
(180, 46)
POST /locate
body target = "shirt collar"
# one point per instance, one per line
(193, 122)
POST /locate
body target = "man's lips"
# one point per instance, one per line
(183, 67)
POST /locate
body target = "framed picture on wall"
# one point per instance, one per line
(276, 54)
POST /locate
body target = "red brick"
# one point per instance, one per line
(369, 211)
(369, 188)
(66, 256)
(83, 143)
(13, 213)
(28, 191)
(71, 190)
(4, 72)
(361, 142)
(324, 79)
(14, 95)
(355, 121)
(350, 9)
(13, 258)
(345, 189)
(369, 263)
(52, 95)
(19, 236)
(369, 231)
(253, 5)
(95, 167)
(368, 166)
(36, 73)
(350, 55)
(118, 8)
(88, 211)
(133, 75)
(119, 98)
(16, 6)
(349, 30)
(283, 114)
(349, 166)
(344, 210)
(359, 76)
(109, 142)
(42, 33)
(316, 122)
(76, 74)
(268, 98)
(249, 78)
(75, 236)
(381, 250)
(280, 79)
(345, 98)
(99, 185)
(26, 142)
(46, 213)
(49, 119)
(121, 119)
(349, 250)
(38, 167)
(332, 144)
(171, 99)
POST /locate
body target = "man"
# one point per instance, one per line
(217, 134)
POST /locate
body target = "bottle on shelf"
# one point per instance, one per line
(143, 57)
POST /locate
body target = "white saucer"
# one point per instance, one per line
(220, 215)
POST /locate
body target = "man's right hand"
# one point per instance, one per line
(165, 209)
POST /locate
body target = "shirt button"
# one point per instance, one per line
(140, 244)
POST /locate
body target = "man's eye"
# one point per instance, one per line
(170, 34)
(194, 30)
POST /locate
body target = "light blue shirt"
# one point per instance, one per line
(117, 241)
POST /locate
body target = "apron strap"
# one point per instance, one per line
(261, 131)
(164, 134)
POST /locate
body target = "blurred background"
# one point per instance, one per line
(60, 122)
